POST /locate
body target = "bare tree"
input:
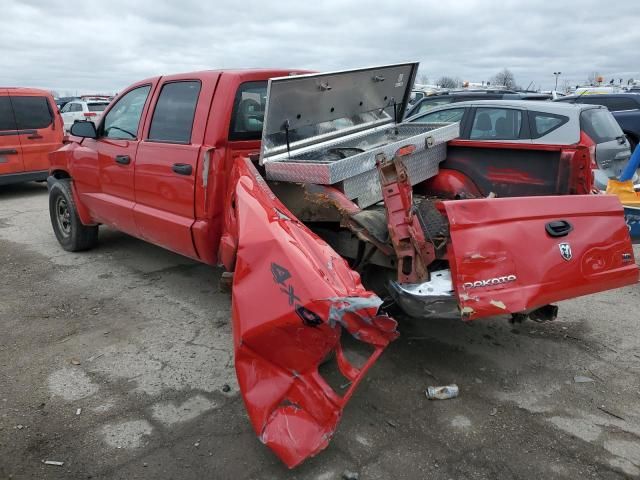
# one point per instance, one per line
(448, 82)
(504, 78)
(423, 79)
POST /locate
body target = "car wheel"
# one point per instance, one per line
(69, 230)
(633, 141)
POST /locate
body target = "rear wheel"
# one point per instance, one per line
(69, 230)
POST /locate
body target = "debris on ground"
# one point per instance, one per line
(75, 361)
(226, 282)
(582, 379)
(442, 393)
(78, 411)
(609, 412)
(226, 388)
(53, 462)
(347, 475)
(493, 412)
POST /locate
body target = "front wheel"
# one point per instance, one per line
(69, 230)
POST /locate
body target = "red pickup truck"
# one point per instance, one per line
(254, 172)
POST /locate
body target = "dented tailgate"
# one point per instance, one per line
(511, 255)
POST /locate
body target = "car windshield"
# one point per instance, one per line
(600, 125)
(97, 107)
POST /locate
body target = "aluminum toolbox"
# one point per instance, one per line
(328, 129)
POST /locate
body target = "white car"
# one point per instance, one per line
(82, 110)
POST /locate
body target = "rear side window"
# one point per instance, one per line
(599, 125)
(7, 122)
(248, 111)
(97, 107)
(543, 123)
(172, 119)
(496, 124)
(617, 103)
(31, 112)
(614, 104)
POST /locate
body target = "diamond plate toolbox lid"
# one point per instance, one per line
(304, 110)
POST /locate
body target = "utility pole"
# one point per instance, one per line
(557, 74)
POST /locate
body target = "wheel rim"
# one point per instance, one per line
(63, 216)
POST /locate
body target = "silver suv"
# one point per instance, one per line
(551, 123)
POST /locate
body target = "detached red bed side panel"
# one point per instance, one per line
(292, 295)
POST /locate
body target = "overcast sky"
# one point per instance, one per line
(93, 47)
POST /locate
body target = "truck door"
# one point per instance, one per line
(167, 162)
(10, 149)
(105, 173)
(40, 129)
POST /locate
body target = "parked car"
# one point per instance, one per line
(543, 123)
(62, 101)
(178, 161)
(625, 108)
(30, 128)
(427, 102)
(82, 110)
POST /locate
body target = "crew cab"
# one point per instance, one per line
(30, 128)
(301, 183)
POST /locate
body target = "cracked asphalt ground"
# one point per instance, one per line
(115, 361)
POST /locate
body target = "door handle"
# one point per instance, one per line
(8, 151)
(182, 168)
(123, 159)
(558, 228)
(35, 136)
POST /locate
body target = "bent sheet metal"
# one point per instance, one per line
(292, 295)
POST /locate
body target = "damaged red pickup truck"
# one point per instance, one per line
(301, 184)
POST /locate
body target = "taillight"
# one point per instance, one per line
(592, 156)
(90, 114)
(588, 142)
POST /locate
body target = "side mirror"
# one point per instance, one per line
(84, 129)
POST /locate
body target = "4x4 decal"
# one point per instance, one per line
(280, 277)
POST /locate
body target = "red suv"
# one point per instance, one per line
(30, 128)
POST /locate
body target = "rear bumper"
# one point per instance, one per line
(434, 298)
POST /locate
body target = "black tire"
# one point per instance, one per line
(69, 230)
(633, 141)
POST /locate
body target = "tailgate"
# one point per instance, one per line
(512, 255)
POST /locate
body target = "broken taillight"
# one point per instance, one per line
(588, 142)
